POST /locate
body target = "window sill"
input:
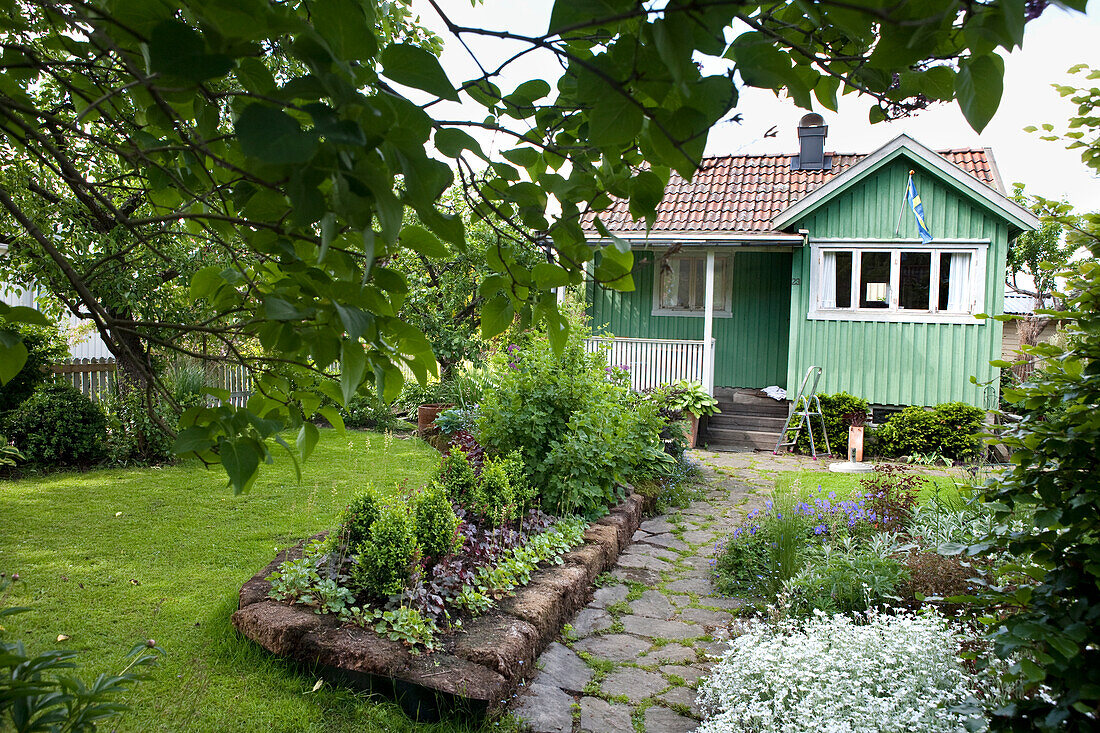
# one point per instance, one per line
(966, 319)
(688, 314)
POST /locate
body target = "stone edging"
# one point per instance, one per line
(477, 668)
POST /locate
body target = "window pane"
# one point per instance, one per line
(916, 280)
(954, 285)
(836, 280)
(874, 280)
(670, 279)
(721, 282)
(699, 282)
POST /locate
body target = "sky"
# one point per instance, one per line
(1053, 43)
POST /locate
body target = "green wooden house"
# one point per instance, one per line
(762, 266)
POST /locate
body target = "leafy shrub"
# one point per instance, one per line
(436, 523)
(9, 454)
(882, 672)
(359, 515)
(45, 346)
(386, 556)
(950, 430)
(892, 493)
(58, 426)
(458, 477)
(503, 491)
(1045, 514)
(846, 576)
(133, 436)
(579, 431)
(367, 412)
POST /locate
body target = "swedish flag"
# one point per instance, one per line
(918, 210)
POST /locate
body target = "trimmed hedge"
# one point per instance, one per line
(57, 426)
(834, 408)
(950, 429)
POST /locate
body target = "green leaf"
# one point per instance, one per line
(420, 240)
(241, 460)
(194, 439)
(613, 120)
(577, 13)
(548, 276)
(13, 355)
(978, 86)
(273, 136)
(496, 316)
(646, 191)
(25, 314)
(414, 67)
(345, 27)
(356, 320)
(451, 142)
(178, 50)
(353, 366)
(307, 439)
(278, 309)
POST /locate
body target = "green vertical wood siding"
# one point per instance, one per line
(899, 363)
(750, 348)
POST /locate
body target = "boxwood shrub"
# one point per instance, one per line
(951, 430)
(58, 426)
(835, 409)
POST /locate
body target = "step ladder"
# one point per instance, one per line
(811, 407)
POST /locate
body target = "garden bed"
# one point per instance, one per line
(474, 669)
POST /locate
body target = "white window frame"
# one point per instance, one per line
(978, 250)
(726, 309)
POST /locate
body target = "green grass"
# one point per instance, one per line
(169, 568)
(845, 483)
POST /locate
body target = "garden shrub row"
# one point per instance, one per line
(949, 430)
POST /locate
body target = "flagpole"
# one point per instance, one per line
(904, 199)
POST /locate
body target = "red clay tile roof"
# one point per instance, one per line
(743, 193)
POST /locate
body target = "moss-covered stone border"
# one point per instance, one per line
(477, 668)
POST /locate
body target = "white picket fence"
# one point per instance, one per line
(653, 362)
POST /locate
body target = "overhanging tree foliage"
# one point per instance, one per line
(274, 147)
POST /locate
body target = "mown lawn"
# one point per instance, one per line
(942, 488)
(114, 557)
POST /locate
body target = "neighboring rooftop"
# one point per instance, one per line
(1023, 305)
(743, 193)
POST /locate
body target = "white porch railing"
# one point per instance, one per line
(653, 362)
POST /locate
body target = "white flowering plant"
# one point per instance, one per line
(873, 672)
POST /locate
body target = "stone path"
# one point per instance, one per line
(631, 659)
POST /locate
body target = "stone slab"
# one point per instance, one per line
(633, 684)
(704, 617)
(653, 604)
(598, 716)
(609, 596)
(698, 586)
(663, 720)
(668, 654)
(680, 696)
(545, 709)
(614, 647)
(667, 540)
(656, 628)
(690, 675)
(590, 620)
(657, 525)
(560, 667)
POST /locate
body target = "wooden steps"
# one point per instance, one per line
(749, 420)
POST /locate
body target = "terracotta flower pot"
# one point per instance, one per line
(855, 444)
(426, 415)
(693, 423)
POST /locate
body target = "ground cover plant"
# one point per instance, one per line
(867, 674)
(108, 562)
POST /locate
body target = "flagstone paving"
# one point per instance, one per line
(631, 660)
